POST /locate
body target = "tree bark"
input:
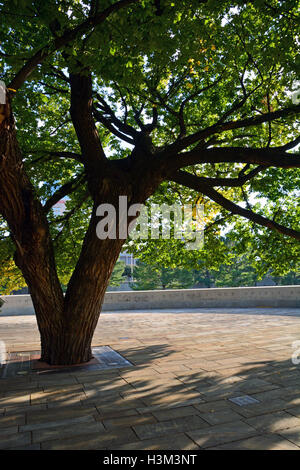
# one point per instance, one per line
(66, 323)
(29, 230)
(82, 307)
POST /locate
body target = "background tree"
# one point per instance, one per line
(292, 278)
(135, 97)
(237, 273)
(147, 277)
(117, 276)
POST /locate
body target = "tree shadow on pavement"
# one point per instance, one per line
(157, 404)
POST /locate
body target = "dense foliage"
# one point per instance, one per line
(202, 75)
(238, 271)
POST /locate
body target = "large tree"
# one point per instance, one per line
(109, 98)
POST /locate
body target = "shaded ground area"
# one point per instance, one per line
(187, 368)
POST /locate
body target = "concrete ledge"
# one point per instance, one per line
(225, 297)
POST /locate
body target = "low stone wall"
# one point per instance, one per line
(227, 297)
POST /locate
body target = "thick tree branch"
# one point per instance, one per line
(64, 220)
(53, 88)
(109, 125)
(105, 109)
(60, 41)
(83, 120)
(290, 145)
(265, 157)
(150, 127)
(222, 127)
(52, 155)
(124, 102)
(232, 182)
(63, 191)
(193, 182)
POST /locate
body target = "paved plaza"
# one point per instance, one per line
(188, 367)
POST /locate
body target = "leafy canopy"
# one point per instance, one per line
(170, 69)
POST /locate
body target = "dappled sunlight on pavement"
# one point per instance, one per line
(186, 369)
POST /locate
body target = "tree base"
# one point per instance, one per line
(60, 352)
(42, 365)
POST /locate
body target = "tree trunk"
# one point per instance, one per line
(71, 344)
(66, 324)
(82, 304)
(29, 230)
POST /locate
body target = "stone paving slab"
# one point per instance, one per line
(292, 434)
(274, 421)
(15, 440)
(178, 441)
(70, 430)
(126, 421)
(57, 423)
(221, 433)
(185, 424)
(295, 410)
(272, 442)
(186, 367)
(165, 415)
(220, 417)
(94, 441)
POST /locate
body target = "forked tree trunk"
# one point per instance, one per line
(66, 324)
(71, 344)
